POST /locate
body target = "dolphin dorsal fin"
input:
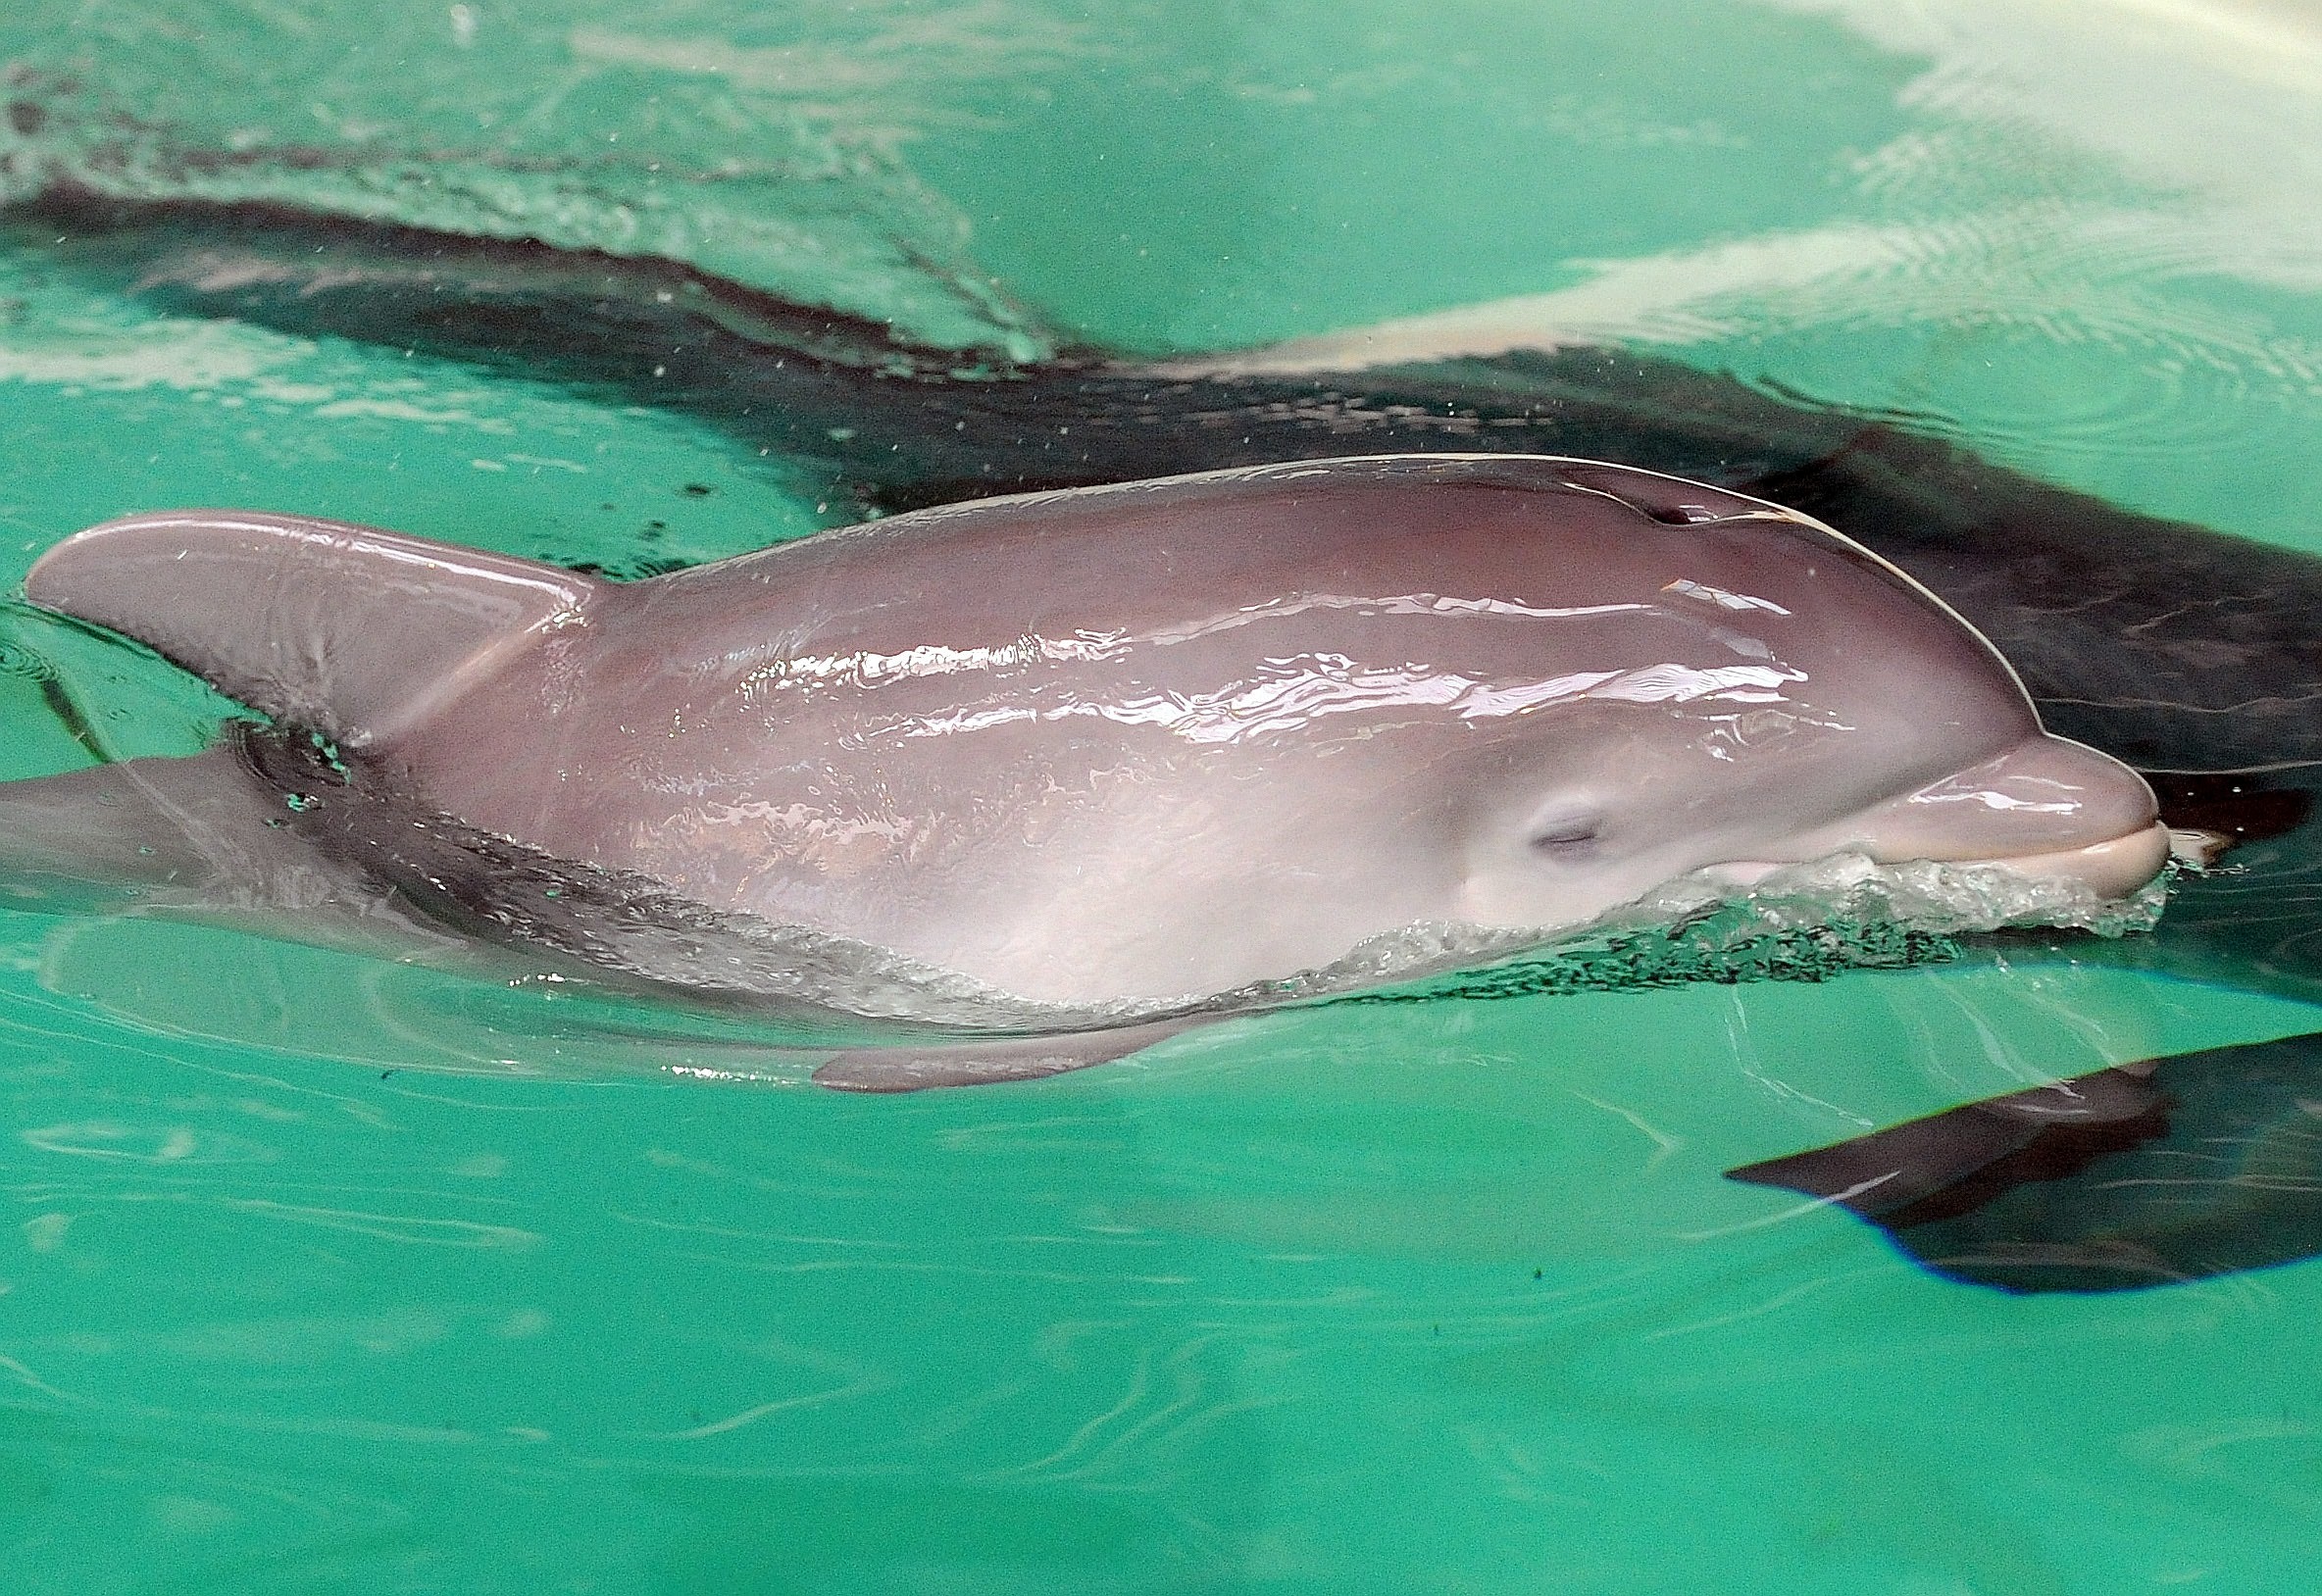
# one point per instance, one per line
(343, 630)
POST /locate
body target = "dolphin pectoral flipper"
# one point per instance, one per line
(344, 630)
(913, 1068)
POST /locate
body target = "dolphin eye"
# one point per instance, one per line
(1565, 835)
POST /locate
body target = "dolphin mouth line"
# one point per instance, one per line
(2114, 867)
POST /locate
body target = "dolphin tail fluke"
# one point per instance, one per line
(342, 629)
(208, 839)
(2140, 1175)
(142, 834)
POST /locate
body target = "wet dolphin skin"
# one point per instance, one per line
(1165, 738)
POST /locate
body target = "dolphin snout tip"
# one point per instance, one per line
(2047, 808)
(2110, 837)
(2112, 869)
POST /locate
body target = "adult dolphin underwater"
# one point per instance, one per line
(2088, 601)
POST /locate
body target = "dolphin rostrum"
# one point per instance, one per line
(1119, 749)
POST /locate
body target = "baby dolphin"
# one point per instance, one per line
(1140, 743)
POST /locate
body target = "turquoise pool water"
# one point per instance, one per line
(333, 1275)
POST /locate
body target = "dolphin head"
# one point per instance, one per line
(1786, 696)
(1563, 844)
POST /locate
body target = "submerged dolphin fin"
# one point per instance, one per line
(343, 630)
(970, 1063)
(202, 838)
(145, 831)
(2140, 1175)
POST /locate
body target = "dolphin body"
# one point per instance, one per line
(1120, 751)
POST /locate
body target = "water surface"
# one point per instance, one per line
(328, 1275)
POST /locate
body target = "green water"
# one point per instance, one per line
(326, 1276)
